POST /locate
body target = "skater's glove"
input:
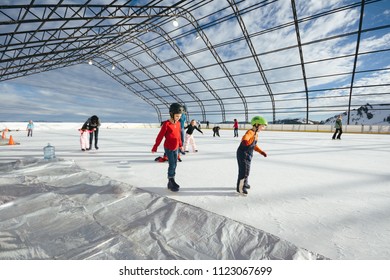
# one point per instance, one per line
(263, 154)
(154, 149)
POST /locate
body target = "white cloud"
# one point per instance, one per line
(374, 43)
(82, 88)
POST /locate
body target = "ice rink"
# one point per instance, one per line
(331, 197)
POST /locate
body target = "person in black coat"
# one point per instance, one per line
(93, 123)
(339, 128)
(216, 131)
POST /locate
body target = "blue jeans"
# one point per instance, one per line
(183, 134)
(172, 160)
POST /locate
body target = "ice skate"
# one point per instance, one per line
(241, 188)
(172, 185)
(242, 192)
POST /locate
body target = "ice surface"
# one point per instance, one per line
(311, 194)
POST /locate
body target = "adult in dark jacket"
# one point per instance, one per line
(216, 131)
(339, 128)
(93, 123)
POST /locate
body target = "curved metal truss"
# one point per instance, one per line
(249, 60)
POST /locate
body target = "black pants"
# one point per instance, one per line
(339, 131)
(244, 166)
(96, 132)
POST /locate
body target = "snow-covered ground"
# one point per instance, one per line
(378, 114)
(326, 196)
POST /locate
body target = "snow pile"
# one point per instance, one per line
(56, 210)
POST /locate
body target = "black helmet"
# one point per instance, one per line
(176, 108)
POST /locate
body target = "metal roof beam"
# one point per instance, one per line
(254, 54)
(294, 10)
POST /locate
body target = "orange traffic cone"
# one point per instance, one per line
(11, 140)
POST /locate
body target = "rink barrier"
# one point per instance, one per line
(374, 129)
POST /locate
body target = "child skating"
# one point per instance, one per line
(30, 128)
(216, 131)
(189, 139)
(171, 130)
(235, 126)
(245, 153)
(84, 138)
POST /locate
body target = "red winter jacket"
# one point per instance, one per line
(172, 133)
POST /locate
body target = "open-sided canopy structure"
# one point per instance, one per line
(221, 59)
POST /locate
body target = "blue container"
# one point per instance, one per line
(49, 152)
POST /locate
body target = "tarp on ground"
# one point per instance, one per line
(52, 209)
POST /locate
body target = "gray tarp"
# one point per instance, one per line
(56, 210)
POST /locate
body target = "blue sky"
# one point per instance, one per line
(77, 92)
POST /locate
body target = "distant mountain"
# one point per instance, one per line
(366, 114)
(294, 121)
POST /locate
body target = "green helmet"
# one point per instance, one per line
(258, 120)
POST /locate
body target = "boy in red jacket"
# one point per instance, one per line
(171, 130)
